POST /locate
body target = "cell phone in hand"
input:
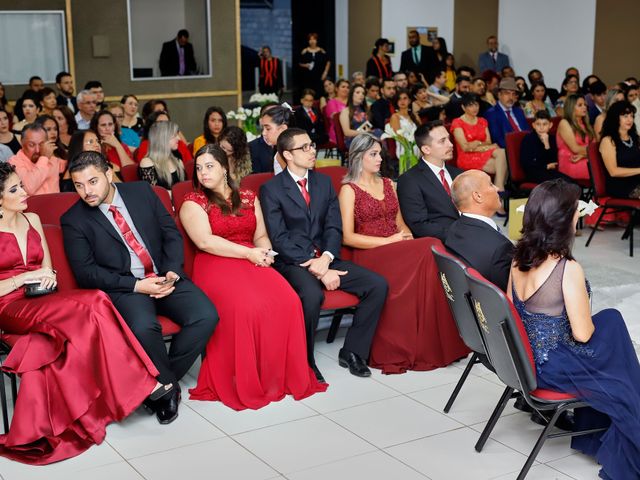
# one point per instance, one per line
(167, 281)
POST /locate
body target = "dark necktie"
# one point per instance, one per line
(445, 184)
(303, 191)
(131, 240)
(512, 122)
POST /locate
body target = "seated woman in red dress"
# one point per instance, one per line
(416, 330)
(258, 353)
(473, 143)
(81, 368)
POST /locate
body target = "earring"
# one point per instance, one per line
(1, 213)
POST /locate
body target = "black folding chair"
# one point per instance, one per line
(510, 352)
(4, 351)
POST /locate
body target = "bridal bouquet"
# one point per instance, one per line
(406, 149)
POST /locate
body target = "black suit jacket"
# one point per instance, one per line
(315, 129)
(295, 230)
(170, 61)
(428, 61)
(261, 155)
(426, 207)
(380, 113)
(62, 100)
(482, 248)
(98, 256)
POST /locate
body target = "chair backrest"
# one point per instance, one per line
(342, 146)
(178, 192)
(189, 249)
(188, 168)
(129, 173)
(53, 234)
(451, 273)
(254, 181)
(596, 170)
(336, 174)
(51, 206)
(505, 337)
(165, 198)
(513, 141)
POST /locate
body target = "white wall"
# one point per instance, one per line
(342, 38)
(550, 35)
(397, 15)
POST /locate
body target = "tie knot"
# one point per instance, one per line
(302, 182)
(113, 208)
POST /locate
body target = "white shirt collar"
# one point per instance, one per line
(296, 177)
(482, 218)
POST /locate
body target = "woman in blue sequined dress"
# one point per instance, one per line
(590, 357)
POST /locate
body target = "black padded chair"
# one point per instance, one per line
(508, 347)
(451, 272)
(4, 351)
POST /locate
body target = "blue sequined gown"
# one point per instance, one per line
(604, 372)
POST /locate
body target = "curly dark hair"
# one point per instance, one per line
(611, 124)
(547, 228)
(215, 198)
(241, 156)
(208, 136)
(6, 169)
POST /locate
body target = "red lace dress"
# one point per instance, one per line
(472, 133)
(416, 330)
(81, 368)
(258, 352)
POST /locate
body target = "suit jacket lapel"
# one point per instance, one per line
(97, 216)
(315, 196)
(136, 215)
(293, 191)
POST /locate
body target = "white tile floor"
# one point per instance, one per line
(385, 427)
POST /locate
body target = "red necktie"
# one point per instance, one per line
(512, 121)
(445, 184)
(131, 240)
(303, 190)
(312, 115)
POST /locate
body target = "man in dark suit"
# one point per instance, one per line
(535, 76)
(506, 116)
(382, 109)
(492, 59)
(123, 241)
(310, 119)
(424, 191)
(475, 237)
(453, 109)
(302, 216)
(418, 58)
(176, 57)
(64, 82)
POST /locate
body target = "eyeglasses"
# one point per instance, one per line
(119, 117)
(305, 148)
(92, 141)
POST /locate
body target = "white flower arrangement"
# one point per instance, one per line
(404, 137)
(263, 98)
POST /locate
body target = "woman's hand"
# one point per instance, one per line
(110, 140)
(398, 237)
(46, 277)
(259, 257)
(576, 158)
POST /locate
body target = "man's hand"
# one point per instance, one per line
(317, 266)
(552, 166)
(48, 148)
(154, 287)
(331, 279)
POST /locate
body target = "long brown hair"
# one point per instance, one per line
(213, 197)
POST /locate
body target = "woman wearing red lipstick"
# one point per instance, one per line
(373, 225)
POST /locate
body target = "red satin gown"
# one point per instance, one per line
(416, 330)
(258, 352)
(81, 368)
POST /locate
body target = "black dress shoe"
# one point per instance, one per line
(319, 376)
(565, 420)
(522, 405)
(356, 365)
(167, 407)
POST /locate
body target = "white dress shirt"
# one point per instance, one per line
(436, 172)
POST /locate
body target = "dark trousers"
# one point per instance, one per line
(368, 286)
(187, 306)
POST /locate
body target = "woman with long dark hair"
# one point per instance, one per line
(379, 64)
(233, 141)
(257, 354)
(573, 137)
(214, 122)
(589, 357)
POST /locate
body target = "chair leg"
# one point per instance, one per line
(595, 227)
(14, 388)
(538, 446)
(4, 405)
(474, 359)
(335, 325)
(506, 396)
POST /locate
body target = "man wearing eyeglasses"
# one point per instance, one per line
(303, 220)
(86, 108)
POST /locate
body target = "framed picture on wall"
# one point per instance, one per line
(169, 39)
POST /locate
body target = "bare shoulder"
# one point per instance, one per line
(33, 218)
(573, 270)
(146, 162)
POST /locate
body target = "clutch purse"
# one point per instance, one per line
(35, 290)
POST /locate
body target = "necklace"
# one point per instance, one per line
(627, 143)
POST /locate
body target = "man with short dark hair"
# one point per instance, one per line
(465, 71)
(506, 116)
(176, 57)
(535, 76)
(598, 94)
(95, 87)
(437, 80)
(475, 237)
(64, 82)
(36, 84)
(454, 107)
(507, 71)
(418, 58)
(492, 59)
(36, 165)
(424, 191)
(302, 215)
(401, 80)
(382, 109)
(123, 241)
